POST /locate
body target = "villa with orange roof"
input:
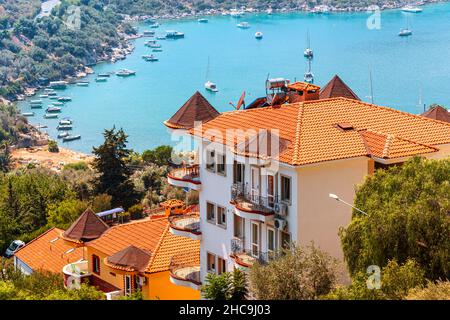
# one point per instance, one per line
(119, 260)
(265, 173)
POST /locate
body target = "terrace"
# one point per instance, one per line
(185, 177)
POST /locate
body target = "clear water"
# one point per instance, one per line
(401, 69)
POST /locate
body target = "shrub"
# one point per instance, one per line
(53, 146)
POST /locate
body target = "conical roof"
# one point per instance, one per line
(131, 258)
(337, 88)
(86, 228)
(197, 108)
(437, 113)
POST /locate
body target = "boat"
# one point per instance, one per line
(161, 37)
(58, 104)
(41, 126)
(48, 90)
(65, 122)
(125, 73)
(269, 11)
(202, 20)
(155, 25)
(101, 79)
(104, 75)
(149, 42)
(209, 85)
(28, 114)
(406, 32)
(64, 127)
(243, 25)
(308, 53)
(172, 34)
(54, 98)
(83, 83)
(154, 45)
(411, 9)
(53, 109)
(148, 33)
(36, 106)
(36, 101)
(309, 77)
(64, 99)
(58, 84)
(259, 35)
(63, 135)
(149, 57)
(50, 116)
(43, 96)
(157, 50)
(71, 138)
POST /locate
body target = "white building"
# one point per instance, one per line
(255, 199)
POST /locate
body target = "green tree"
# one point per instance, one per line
(114, 174)
(53, 146)
(226, 286)
(395, 282)
(64, 213)
(5, 158)
(407, 218)
(160, 155)
(298, 274)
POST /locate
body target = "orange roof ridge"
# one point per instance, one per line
(389, 139)
(298, 132)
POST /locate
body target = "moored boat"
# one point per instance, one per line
(148, 33)
(63, 135)
(36, 101)
(65, 122)
(173, 34)
(83, 83)
(58, 104)
(149, 57)
(64, 127)
(53, 110)
(36, 106)
(101, 79)
(259, 35)
(157, 50)
(64, 99)
(125, 73)
(28, 114)
(58, 84)
(202, 20)
(211, 86)
(411, 9)
(104, 75)
(155, 25)
(43, 96)
(405, 32)
(243, 25)
(50, 116)
(71, 138)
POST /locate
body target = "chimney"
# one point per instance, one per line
(302, 91)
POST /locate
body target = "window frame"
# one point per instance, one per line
(219, 217)
(283, 191)
(222, 162)
(211, 156)
(95, 264)
(214, 218)
(208, 269)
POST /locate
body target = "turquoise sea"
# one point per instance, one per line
(402, 68)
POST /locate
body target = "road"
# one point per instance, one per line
(47, 6)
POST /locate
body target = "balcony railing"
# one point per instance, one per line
(247, 200)
(187, 225)
(247, 257)
(188, 173)
(75, 274)
(185, 271)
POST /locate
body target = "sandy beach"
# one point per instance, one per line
(41, 156)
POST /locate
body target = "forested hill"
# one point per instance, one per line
(32, 48)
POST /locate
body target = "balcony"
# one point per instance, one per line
(244, 258)
(75, 274)
(252, 206)
(185, 271)
(185, 177)
(186, 225)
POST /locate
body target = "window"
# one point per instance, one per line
(210, 160)
(238, 227)
(221, 162)
(95, 264)
(255, 239)
(211, 212)
(238, 172)
(285, 189)
(211, 262)
(222, 265)
(128, 287)
(221, 216)
(270, 241)
(270, 190)
(285, 240)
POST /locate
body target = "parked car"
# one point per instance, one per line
(13, 247)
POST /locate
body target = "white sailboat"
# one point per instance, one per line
(405, 32)
(309, 76)
(308, 53)
(209, 85)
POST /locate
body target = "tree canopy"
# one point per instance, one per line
(408, 210)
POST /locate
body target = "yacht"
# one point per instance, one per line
(309, 77)
(308, 53)
(125, 73)
(411, 9)
(202, 20)
(172, 34)
(155, 25)
(211, 86)
(259, 35)
(405, 32)
(65, 122)
(149, 57)
(63, 135)
(53, 109)
(243, 25)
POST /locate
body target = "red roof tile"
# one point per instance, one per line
(86, 228)
(437, 113)
(337, 88)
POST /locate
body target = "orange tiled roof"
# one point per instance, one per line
(172, 203)
(311, 129)
(337, 88)
(150, 235)
(41, 254)
(438, 113)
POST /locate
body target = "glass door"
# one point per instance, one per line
(270, 190)
(255, 239)
(255, 184)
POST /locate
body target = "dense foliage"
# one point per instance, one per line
(408, 209)
(225, 286)
(46, 47)
(298, 274)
